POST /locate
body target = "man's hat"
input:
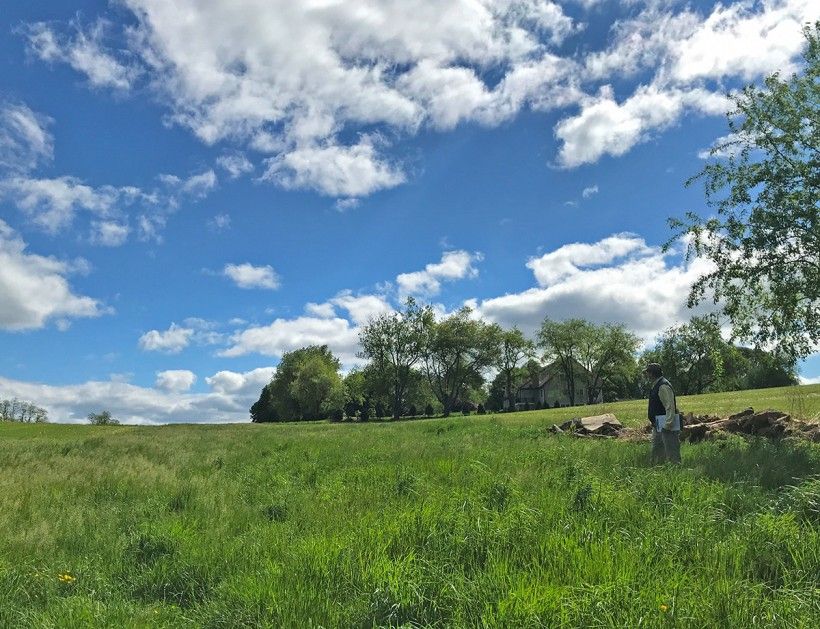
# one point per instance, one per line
(653, 369)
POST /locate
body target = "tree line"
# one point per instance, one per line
(417, 364)
(15, 410)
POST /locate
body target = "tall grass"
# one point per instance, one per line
(468, 521)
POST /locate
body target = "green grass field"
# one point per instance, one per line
(466, 521)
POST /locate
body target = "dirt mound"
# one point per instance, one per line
(771, 424)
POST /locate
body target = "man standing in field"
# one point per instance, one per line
(663, 415)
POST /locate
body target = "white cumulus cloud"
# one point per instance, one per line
(453, 265)
(34, 289)
(335, 170)
(249, 383)
(170, 341)
(361, 308)
(570, 258)
(285, 335)
(619, 279)
(175, 380)
(249, 276)
(743, 39)
(606, 127)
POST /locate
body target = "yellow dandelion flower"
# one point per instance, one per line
(664, 608)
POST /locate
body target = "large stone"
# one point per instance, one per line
(601, 424)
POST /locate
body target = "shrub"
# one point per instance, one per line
(480, 410)
(428, 410)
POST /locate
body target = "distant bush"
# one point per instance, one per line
(412, 411)
(102, 419)
(480, 410)
(428, 410)
(380, 412)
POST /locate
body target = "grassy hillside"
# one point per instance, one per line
(467, 521)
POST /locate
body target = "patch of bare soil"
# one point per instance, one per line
(770, 424)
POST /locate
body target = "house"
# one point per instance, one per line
(551, 389)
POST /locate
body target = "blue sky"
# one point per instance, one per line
(190, 189)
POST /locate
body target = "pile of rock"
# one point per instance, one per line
(596, 426)
(770, 423)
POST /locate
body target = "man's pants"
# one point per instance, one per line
(665, 446)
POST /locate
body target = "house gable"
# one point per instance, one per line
(550, 388)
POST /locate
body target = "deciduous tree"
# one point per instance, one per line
(694, 356)
(561, 343)
(102, 418)
(697, 359)
(763, 181)
(457, 350)
(603, 351)
(515, 348)
(15, 410)
(393, 342)
(305, 381)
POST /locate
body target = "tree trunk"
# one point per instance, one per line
(397, 395)
(508, 390)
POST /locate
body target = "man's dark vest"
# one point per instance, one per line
(656, 407)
